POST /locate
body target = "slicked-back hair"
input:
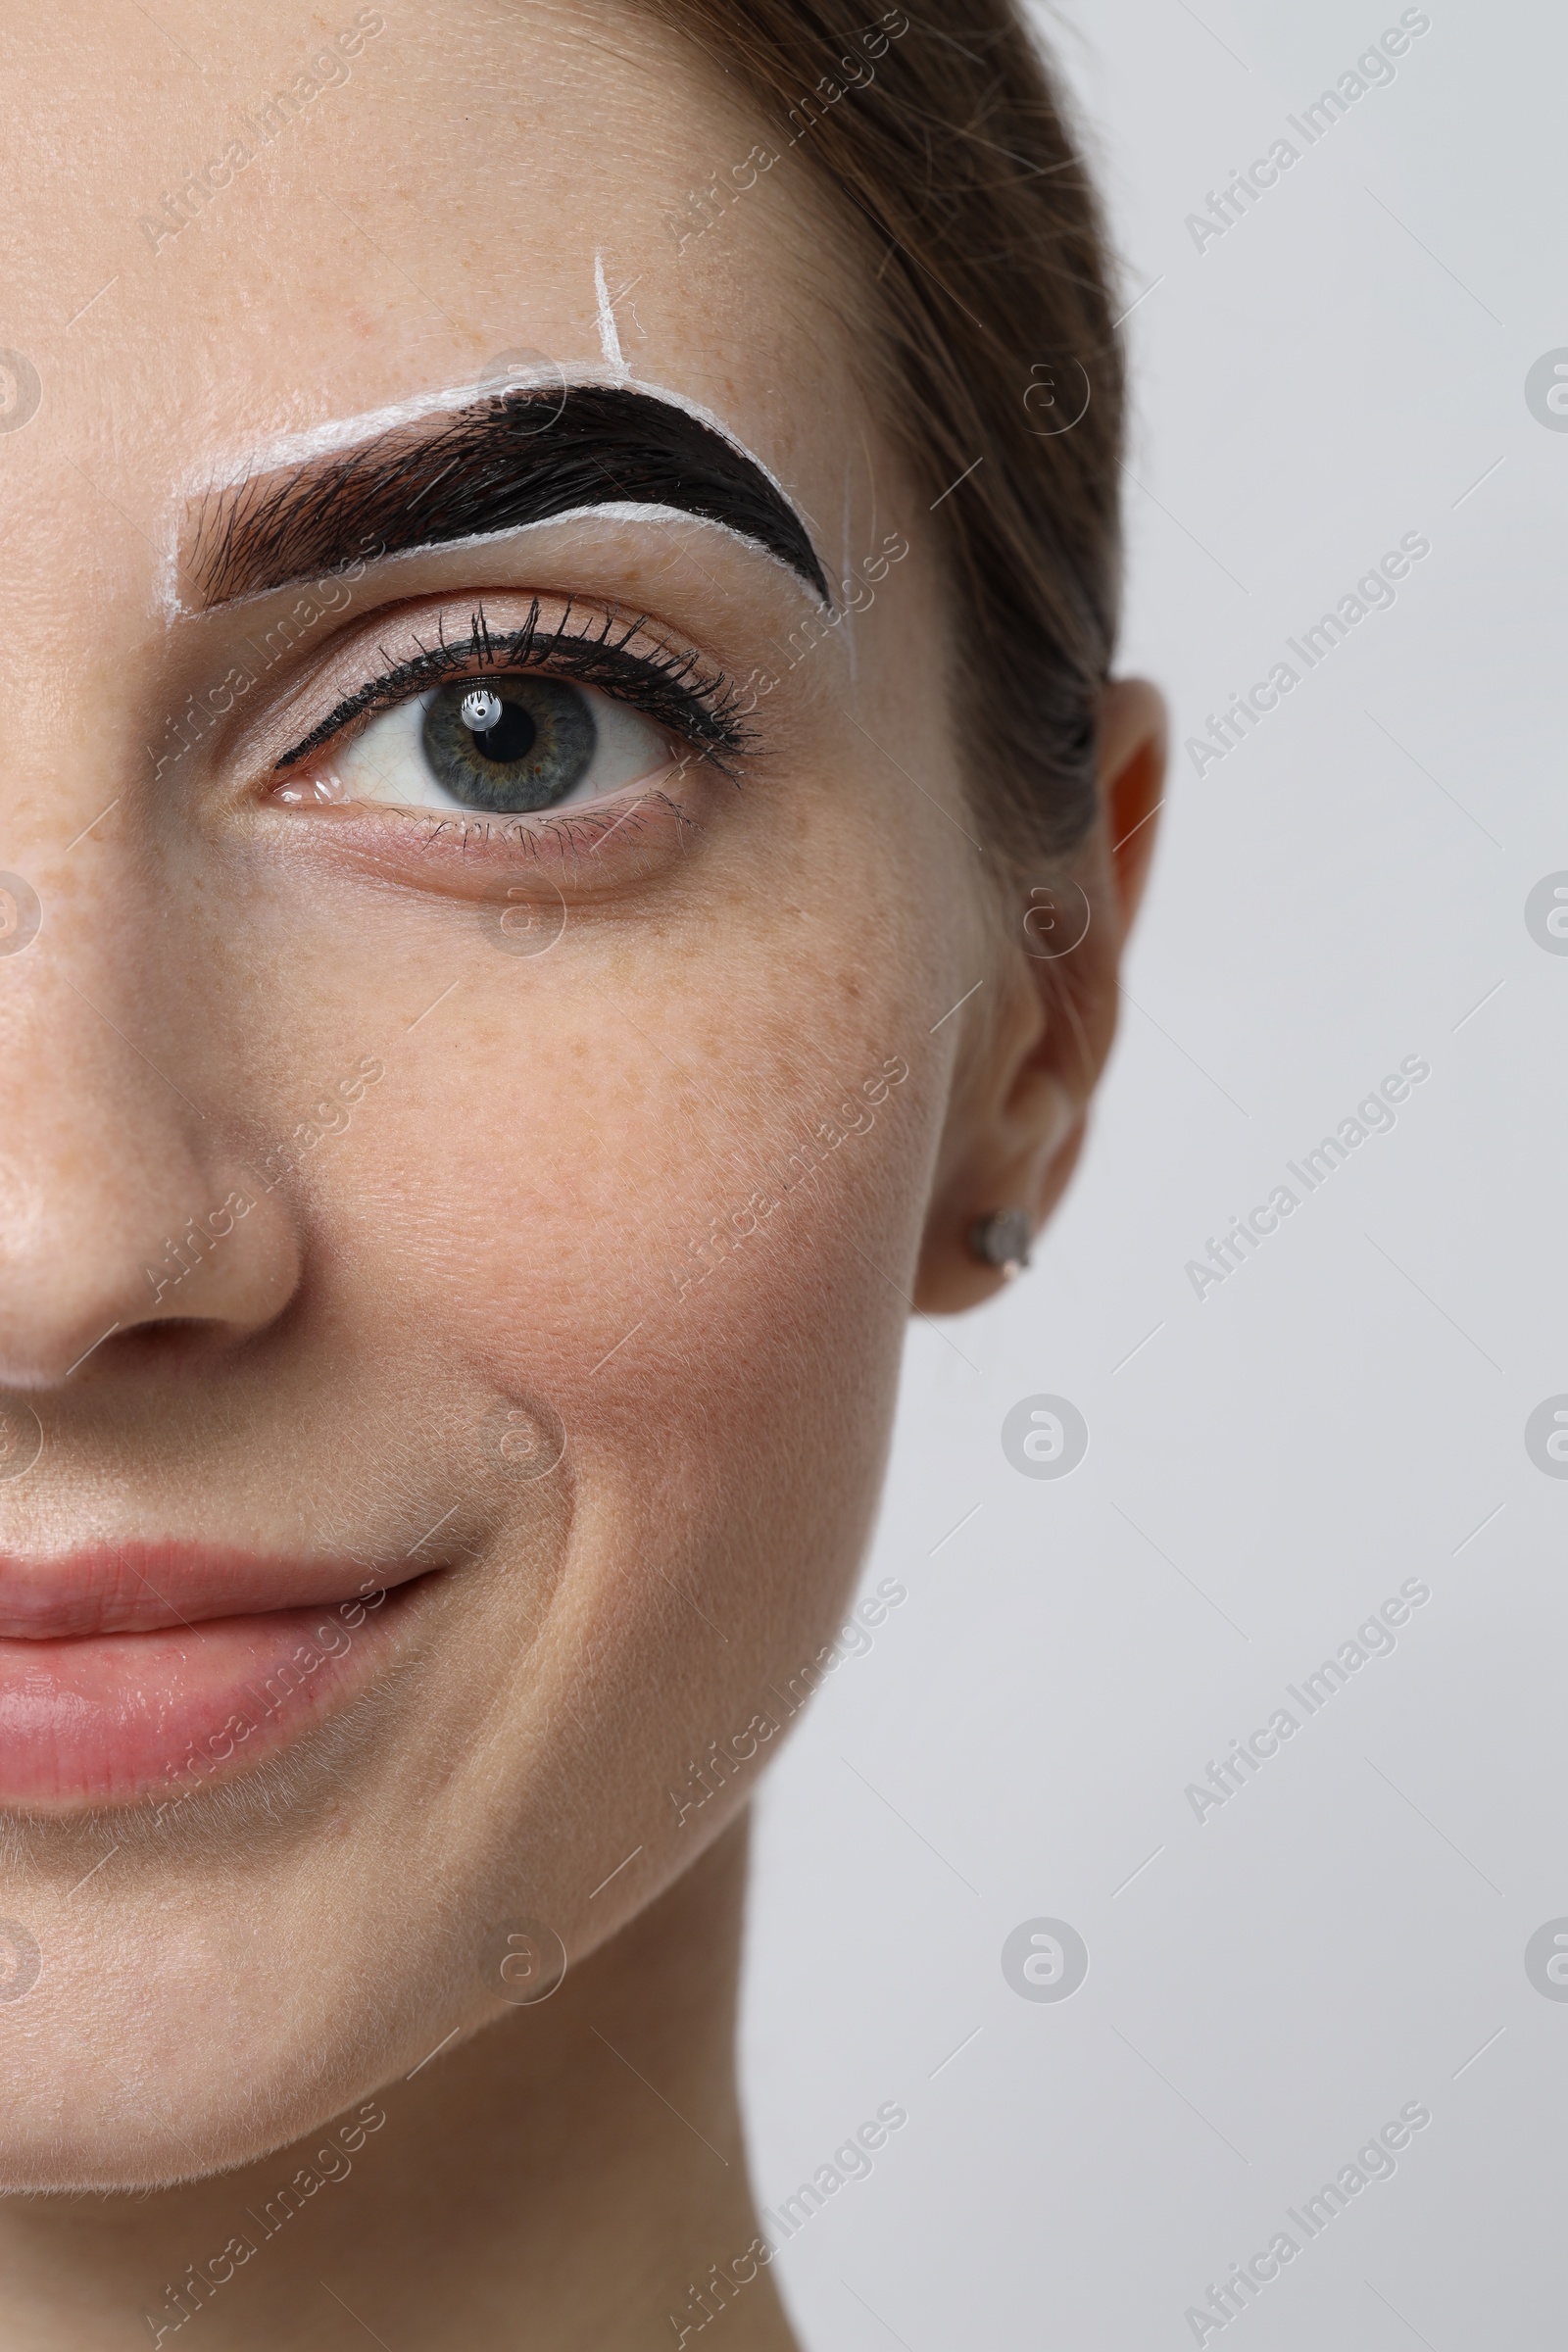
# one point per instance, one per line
(982, 281)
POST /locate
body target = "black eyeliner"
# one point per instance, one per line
(671, 691)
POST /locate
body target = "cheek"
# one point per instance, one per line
(698, 1254)
(625, 1177)
(654, 1215)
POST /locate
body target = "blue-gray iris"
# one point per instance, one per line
(533, 755)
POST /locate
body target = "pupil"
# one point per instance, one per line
(513, 737)
(537, 753)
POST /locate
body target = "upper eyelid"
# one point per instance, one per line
(697, 705)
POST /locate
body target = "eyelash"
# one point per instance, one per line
(671, 690)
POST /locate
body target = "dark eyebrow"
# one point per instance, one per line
(514, 458)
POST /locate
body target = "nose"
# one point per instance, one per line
(126, 1202)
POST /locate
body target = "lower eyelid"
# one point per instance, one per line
(584, 854)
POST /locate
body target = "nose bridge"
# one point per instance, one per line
(95, 1050)
(123, 1198)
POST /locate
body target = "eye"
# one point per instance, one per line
(505, 744)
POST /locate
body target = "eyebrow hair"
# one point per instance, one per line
(516, 458)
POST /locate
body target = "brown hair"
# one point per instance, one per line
(945, 149)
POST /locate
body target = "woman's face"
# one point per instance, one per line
(482, 1155)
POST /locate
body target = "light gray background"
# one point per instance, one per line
(1344, 366)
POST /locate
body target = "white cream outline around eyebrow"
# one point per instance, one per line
(609, 510)
(609, 332)
(351, 432)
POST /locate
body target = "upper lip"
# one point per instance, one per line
(127, 1587)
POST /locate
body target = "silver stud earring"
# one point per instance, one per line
(1002, 1239)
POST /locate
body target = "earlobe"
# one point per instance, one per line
(1001, 1190)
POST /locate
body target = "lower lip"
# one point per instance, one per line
(114, 1719)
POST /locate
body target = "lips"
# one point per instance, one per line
(135, 1587)
(135, 1670)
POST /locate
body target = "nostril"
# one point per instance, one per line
(133, 1344)
(160, 1343)
(150, 1343)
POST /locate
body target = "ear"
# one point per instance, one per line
(1040, 1035)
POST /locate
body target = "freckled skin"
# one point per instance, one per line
(570, 1195)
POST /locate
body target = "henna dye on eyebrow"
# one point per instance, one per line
(516, 458)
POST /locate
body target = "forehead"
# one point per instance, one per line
(234, 224)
